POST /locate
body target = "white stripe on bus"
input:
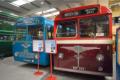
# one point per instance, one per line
(84, 41)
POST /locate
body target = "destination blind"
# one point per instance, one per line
(81, 12)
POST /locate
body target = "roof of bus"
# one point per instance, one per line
(102, 10)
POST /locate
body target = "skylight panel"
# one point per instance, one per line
(21, 2)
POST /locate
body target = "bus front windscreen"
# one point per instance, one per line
(66, 29)
(21, 33)
(36, 32)
(94, 26)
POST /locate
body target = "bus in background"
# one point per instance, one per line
(7, 21)
(27, 30)
(84, 40)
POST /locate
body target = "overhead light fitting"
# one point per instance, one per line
(42, 2)
(38, 13)
(13, 14)
(52, 14)
(21, 2)
(50, 10)
(47, 11)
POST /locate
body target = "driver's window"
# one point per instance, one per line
(49, 31)
(21, 33)
(36, 32)
(94, 27)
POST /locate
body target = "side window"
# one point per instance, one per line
(94, 27)
(49, 32)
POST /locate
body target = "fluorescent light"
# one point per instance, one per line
(13, 14)
(55, 13)
(42, 2)
(46, 11)
(20, 2)
(49, 10)
(38, 13)
(0, 11)
(52, 14)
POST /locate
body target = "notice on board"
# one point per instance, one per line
(50, 46)
(38, 46)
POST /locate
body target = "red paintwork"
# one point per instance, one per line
(102, 11)
(89, 61)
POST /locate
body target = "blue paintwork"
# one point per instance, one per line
(25, 54)
(117, 65)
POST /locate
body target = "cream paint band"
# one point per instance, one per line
(84, 41)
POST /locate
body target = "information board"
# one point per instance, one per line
(38, 46)
(50, 46)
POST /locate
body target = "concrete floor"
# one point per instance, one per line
(12, 70)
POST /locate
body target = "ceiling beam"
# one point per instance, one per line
(50, 4)
(34, 11)
(35, 5)
(8, 9)
(25, 8)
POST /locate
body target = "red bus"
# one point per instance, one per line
(84, 40)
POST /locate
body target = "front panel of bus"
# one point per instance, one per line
(84, 45)
(23, 48)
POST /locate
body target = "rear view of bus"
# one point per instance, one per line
(84, 40)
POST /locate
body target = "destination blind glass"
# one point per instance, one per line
(81, 12)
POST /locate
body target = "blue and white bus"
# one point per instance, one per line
(27, 30)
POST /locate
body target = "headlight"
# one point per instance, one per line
(16, 53)
(36, 56)
(100, 57)
(100, 68)
(61, 55)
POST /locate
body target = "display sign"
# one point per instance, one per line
(50, 46)
(38, 46)
(28, 21)
(81, 12)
